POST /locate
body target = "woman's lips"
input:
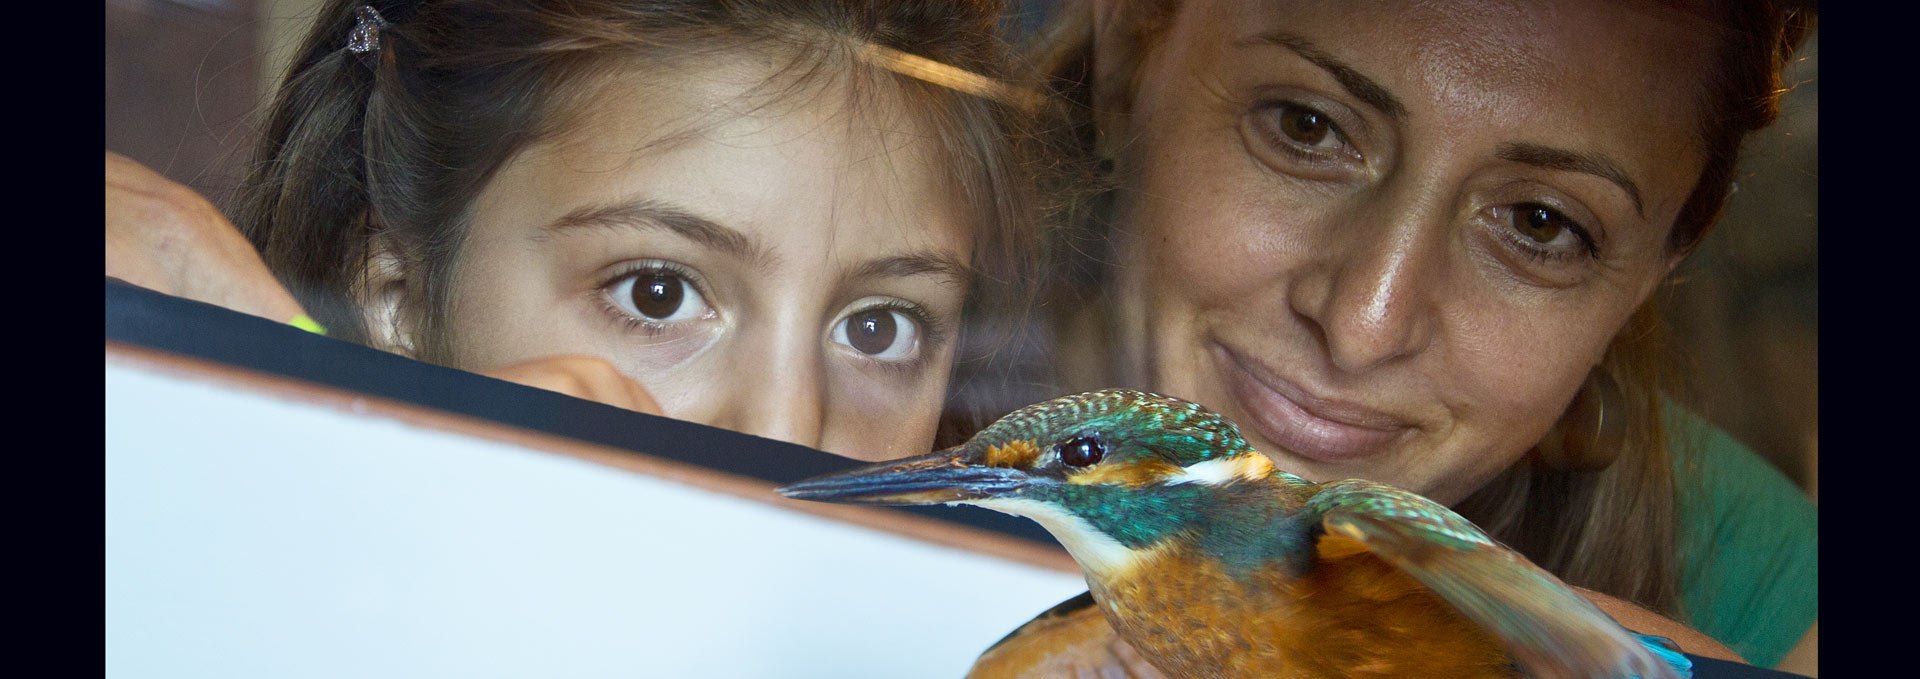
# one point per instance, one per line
(1304, 425)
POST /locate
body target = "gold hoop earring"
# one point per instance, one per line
(1591, 433)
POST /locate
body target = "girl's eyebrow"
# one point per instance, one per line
(646, 214)
(940, 264)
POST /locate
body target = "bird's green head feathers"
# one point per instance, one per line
(1128, 428)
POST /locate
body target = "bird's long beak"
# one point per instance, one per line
(940, 477)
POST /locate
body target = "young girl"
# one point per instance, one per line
(770, 214)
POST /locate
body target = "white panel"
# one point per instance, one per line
(252, 536)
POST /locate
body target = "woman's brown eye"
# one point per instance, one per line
(1538, 223)
(1306, 126)
(1303, 142)
(1544, 233)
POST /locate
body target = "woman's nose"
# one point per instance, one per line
(775, 388)
(1372, 287)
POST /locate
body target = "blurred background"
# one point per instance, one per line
(185, 79)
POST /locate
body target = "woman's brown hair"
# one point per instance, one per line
(392, 144)
(1614, 529)
(1610, 529)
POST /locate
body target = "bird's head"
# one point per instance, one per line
(1109, 473)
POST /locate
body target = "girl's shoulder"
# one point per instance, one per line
(1748, 543)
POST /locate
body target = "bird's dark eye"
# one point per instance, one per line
(1081, 451)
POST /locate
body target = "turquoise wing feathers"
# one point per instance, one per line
(1550, 631)
(1669, 652)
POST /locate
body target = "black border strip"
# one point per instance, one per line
(138, 316)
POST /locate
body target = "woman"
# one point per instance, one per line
(767, 213)
(1416, 244)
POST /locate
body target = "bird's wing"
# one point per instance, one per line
(1550, 630)
(1072, 639)
(1081, 604)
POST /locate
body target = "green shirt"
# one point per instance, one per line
(1748, 542)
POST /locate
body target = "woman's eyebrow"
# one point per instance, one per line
(649, 215)
(1574, 161)
(1361, 87)
(1376, 95)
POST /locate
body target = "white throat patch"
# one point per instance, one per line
(1218, 471)
(1096, 553)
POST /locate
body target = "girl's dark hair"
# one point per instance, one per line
(395, 143)
(1611, 530)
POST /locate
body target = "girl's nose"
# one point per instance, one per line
(775, 386)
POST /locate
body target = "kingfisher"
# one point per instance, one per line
(1211, 562)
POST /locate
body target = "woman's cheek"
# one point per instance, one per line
(1518, 392)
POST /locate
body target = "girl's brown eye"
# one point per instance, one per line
(883, 332)
(658, 295)
(1306, 126)
(872, 331)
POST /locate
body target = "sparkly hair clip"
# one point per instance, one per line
(365, 38)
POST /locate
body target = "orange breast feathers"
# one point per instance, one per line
(1352, 615)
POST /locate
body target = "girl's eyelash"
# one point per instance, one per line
(932, 332)
(602, 295)
(620, 316)
(651, 265)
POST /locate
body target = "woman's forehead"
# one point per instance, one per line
(1614, 79)
(1530, 50)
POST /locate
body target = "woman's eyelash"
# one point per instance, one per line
(1589, 245)
(1302, 132)
(1546, 256)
